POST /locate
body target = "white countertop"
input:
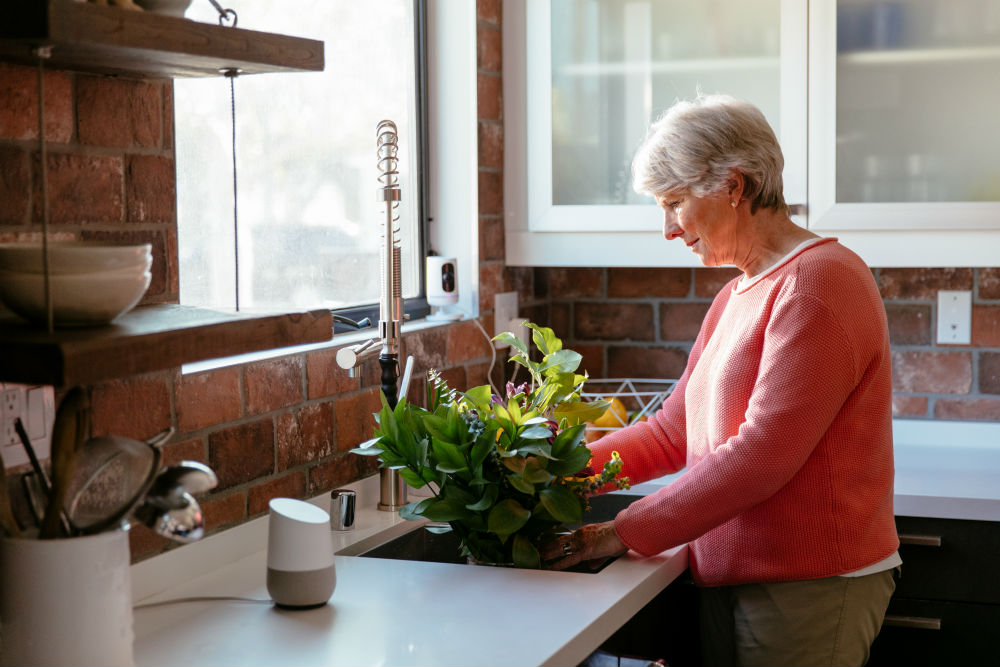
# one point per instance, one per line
(394, 612)
(385, 612)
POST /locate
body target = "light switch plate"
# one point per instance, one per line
(954, 320)
(35, 405)
(504, 310)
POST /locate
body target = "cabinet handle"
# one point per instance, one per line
(920, 540)
(915, 622)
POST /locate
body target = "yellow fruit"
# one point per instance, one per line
(614, 417)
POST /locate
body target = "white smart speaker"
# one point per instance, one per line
(300, 572)
(442, 287)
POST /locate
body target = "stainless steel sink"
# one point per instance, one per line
(423, 545)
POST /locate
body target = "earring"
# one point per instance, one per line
(734, 204)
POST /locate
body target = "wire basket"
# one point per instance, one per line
(641, 397)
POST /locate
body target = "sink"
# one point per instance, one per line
(423, 545)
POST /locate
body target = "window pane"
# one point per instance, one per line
(917, 93)
(309, 223)
(618, 64)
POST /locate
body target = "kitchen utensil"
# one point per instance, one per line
(342, 506)
(7, 521)
(170, 508)
(113, 476)
(68, 432)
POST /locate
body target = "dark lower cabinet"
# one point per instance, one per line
(666, 628)
(946, 608)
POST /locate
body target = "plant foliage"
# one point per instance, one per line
(506, 471)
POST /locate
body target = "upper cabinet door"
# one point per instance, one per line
(904, 98)
(583, 79)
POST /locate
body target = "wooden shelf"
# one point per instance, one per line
(147, 339)
(110, 40)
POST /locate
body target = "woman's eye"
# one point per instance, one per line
(673, 204)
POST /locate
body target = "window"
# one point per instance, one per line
(309, 223)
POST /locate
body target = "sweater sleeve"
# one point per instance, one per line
(807, 371)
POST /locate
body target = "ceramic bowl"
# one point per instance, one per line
(82, 299)
(73, 257)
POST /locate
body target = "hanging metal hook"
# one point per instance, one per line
(225, 15)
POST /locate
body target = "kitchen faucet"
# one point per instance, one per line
(392, 490)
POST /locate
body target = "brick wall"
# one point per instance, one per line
(641, 322)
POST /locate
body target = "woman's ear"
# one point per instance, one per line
(736, 184)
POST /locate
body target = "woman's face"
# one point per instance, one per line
(707, 225)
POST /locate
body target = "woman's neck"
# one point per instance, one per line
(770, 235)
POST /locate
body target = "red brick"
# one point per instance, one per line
(225, 511)
(989, 283)
(970, 408)
(632, 283)
(136, 407)
(989, 373)
(161, 260)
(273, 384)
(489, 96)
(144, 543)
(428, 347)
(520, 279)
(491, 238)
(306, 435)
(185, 450)
(932, 372)
(355, 422)
(324, 377)
(613, 321)
(909, 406)
(646, 362)
(489, 11)
(209, 398)
(490, 144)
(569, 283)
(173, 272)
(559, 320)
(490, 284)
(922, 283)
(681, 321)
(15, 187)
(708, 282)
(290, 486)
(490, 193)
(909, 324)
(336, 472)
(593, 359)
(986, 326)
(119, 113)
(82, 189)
(455, 378)
(150, 189)
(240, 454)
(19, 104)
(168, 115)
(489, 49)
(465, 342)
(476, 375)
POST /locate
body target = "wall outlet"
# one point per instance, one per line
(954, 317)
(36, 408)
(504, 310)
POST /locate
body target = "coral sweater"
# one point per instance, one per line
(783, 419)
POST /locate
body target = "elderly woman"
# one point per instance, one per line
(782, 416)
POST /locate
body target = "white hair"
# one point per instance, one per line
(696, 145)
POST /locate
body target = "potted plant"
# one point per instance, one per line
(506, 472)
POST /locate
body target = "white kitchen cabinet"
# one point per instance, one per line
(896, 157)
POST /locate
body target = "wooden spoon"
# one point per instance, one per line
(69, 431)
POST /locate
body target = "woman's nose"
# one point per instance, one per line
(670, 228)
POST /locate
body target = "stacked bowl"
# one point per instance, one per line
(91, 283)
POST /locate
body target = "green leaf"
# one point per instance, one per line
(567, 439)
(514, 464)
(480, 397)
(566, 361)
(535, 473)
(412, 478)
(570, 464)
(489, 497)
(577, 412)
(561, 503)
(444, 509)
(481, 448)
(521, 484)
(438, 528)
(512, 340)
(413, 511)
(535, 433)
(507, 517)
(525, 554)
(544, 338)
(449, 458)
(436, 425)
(537, 448)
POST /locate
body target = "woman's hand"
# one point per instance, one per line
(591, 542)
